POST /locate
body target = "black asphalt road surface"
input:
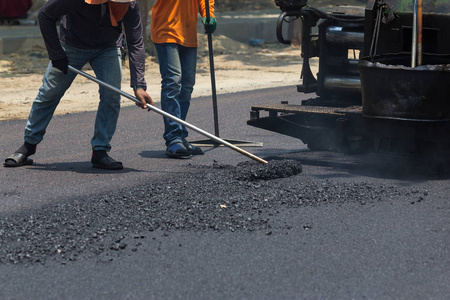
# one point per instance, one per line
(308, 225)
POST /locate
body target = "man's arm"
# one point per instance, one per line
(211, 24)
(48, 16)
(135, 45)
(136, 52)
(202, 8)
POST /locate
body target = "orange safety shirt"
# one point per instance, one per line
(175, 21)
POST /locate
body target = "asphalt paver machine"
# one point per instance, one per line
(382, 82)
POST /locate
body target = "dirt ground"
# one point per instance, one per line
(238, 67)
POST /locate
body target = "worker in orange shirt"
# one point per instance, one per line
(174, 32)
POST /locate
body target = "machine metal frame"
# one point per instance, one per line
(355, 109)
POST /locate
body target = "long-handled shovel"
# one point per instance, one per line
(214, 96)
(167, 115)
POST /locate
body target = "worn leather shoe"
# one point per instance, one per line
(193, 150)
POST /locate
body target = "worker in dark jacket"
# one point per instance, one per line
(90, 31)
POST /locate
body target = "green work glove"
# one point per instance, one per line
(211, 26)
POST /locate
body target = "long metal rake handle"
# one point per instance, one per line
(173, 118)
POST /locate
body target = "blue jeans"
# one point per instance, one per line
(107, 66)
(177, 65)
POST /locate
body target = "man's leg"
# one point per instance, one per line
(108, 68)
(54, 85)
(188, 59)
(107, 65)
(170, 69)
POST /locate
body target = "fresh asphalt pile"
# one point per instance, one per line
(218, 198)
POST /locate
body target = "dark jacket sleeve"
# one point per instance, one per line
(48, 17)
(135, 44)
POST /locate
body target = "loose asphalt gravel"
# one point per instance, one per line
(204, 198)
